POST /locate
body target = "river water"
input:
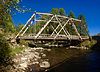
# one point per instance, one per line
(87, 63)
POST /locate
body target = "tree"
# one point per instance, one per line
(62, 11)
(19, 27)
(55, 11)
(83, 25)
(6, 8)
(71, 29)
(71, 14)
(8, 25)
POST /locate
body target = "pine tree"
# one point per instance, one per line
(71, 29)
(71, 14)
(62, 11)
(55, 11)
(83, 25)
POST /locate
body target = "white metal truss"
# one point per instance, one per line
(62, 28)
(57, 17)
(32, 17)
(44, 27)
(76, 29)
(66, 32)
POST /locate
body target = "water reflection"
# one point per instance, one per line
(86, 63)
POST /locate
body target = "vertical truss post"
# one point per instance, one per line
(44, 27)
(35, 21)
(62, 28)
(76, 29)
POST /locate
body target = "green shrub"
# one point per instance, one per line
(23, 42)
(16, 50)
(88, 43)
(5, 51)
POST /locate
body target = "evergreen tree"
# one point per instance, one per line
(71, 14)
(62, 11)
(83, 25)
(55, 11)
(71, 29)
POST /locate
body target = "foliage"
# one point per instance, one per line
(71, 14)
(83, 26)
(62, 11)
(55, 11)
(6, 8)
(16, 50)
(19, 27)
(8, 25)
(5, 51)
(88, 43)
(23, 42)
(58, 11)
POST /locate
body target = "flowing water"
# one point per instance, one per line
(87, 63)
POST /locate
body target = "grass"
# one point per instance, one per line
(17, 50)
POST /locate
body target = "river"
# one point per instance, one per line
(87, 63)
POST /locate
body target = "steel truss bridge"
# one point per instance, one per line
(55, 35)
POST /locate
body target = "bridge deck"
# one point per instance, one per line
(47, 38)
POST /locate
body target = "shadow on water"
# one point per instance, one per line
(97, 45)
(86, 63)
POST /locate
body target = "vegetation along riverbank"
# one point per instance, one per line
(18, 55)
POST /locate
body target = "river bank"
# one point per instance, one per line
(54, 56)
(35, 59)
(38, 59)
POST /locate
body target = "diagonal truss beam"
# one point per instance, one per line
(54, 29)
(76, 30)
(44, 27)
(25, 25)
(62, 28)
(26, 28)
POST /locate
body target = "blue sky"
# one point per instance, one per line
(89, 8)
